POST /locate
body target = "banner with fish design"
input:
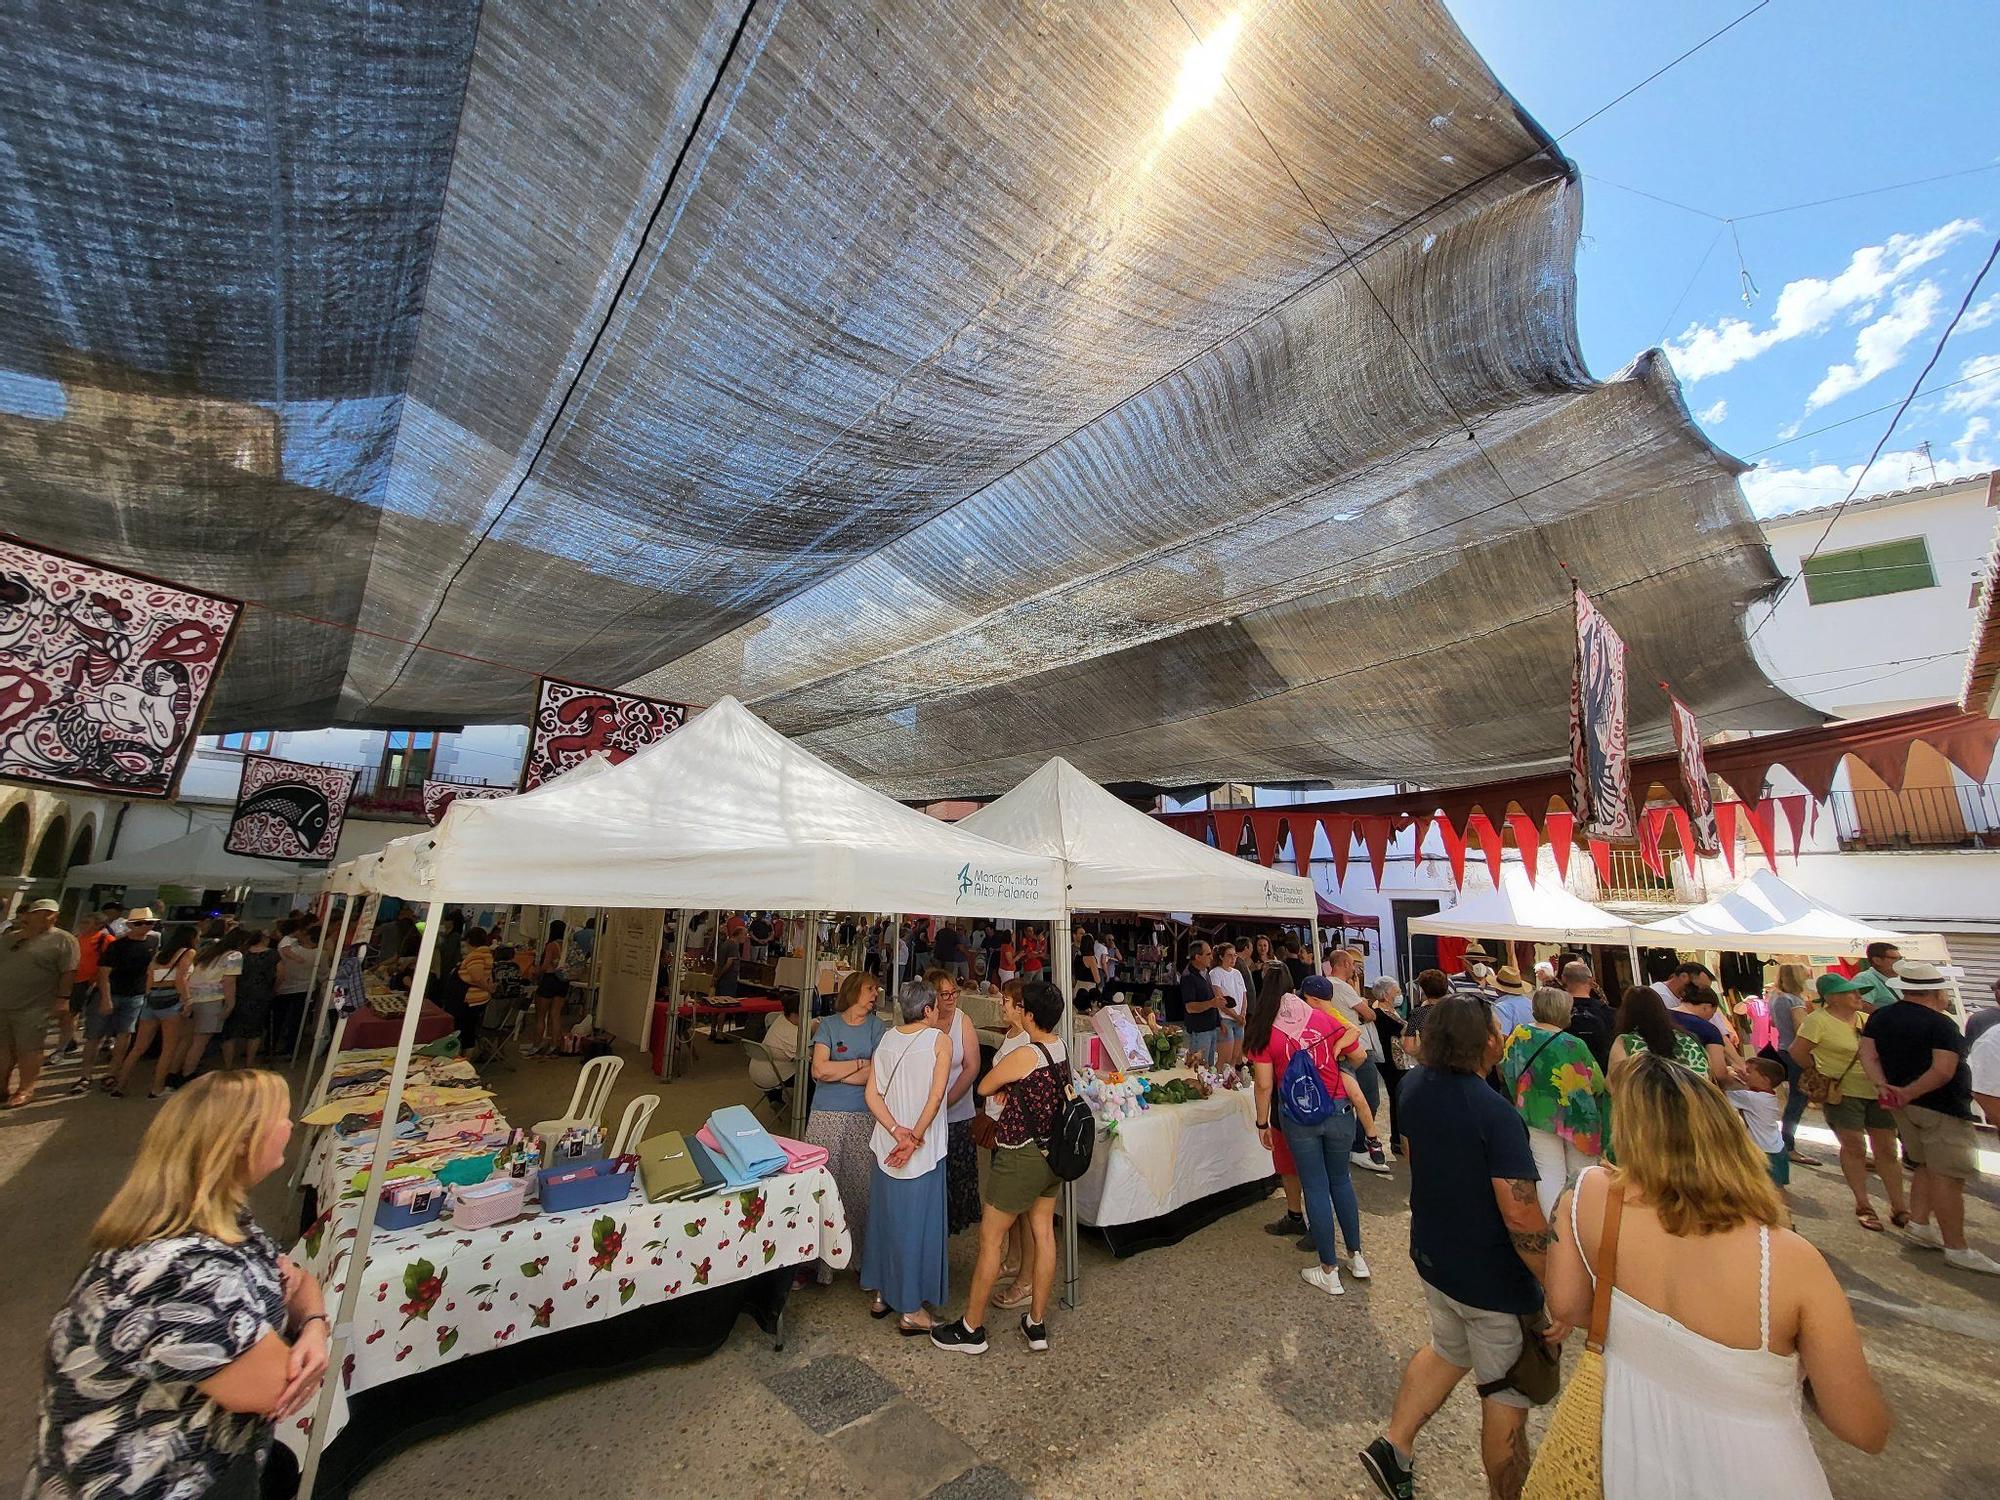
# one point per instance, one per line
(573, 722)
(439, 796)
(288, 809)
(104, 675)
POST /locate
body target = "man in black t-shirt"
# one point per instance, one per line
(1195, 1006)
(1915, 1055)
(111, 1009)
(1480, 1242)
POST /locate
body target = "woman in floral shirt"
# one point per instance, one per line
(1556, 1086)
(187, 1335)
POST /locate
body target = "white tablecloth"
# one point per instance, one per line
(1171, 1156)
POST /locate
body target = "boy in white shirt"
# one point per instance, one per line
(1756, 1100)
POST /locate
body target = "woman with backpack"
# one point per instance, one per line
(1032, 1081)
(1304, 1094)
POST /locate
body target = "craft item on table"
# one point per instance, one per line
(747, 1144)
(396, 1172)
(577, 1143)
(388, 1003)
(712, 1175)
(667, 1169)
(464, 1171)
(801, 1156)
(586, 1186)
(347, 1126)
(494, 1201)
(448, 1128)
(426, 1100)
(410, 1201)
(1123, 1038)
(737, 1175)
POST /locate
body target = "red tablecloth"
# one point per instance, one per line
(709, 1010)
(367, 1029)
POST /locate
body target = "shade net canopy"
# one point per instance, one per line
(1190, 389)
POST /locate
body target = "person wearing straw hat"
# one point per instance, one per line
(1914, 1053)
(113, 1007)
(1516, 1005)
(37, 967)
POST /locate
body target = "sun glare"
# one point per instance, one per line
(1201, 74)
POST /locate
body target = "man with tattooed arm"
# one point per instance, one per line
(1480, 1242)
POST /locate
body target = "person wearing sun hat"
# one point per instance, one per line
(111, 1009)
(1914, 1053)
(1466, 980)
(1516, 1006)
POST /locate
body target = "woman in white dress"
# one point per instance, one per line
(1718, 1311)
(903, 1254)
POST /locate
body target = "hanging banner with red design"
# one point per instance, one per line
(439, 796)
(1599, 770)
(1694, 776)
(573, 722)
(288, 809)
(104, 676)
(1794, 809)
(1375, 839)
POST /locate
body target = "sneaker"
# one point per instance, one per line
(1394, 1478)
(1327, 1281)
(1037, 1334)
(1970, 1259)
(1375, 1159)
(957, 1337)
(1924, 1237)
(1306, 1242)
(1291, 1223)
(1360, 1158)
(70, 1048)
(1357, 1266)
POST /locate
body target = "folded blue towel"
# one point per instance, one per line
(747, 1145)
(709, 1165)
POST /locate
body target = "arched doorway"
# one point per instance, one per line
(47, 866)
(14, 840)
(72, 898)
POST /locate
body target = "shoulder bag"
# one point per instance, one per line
(1569, 1465)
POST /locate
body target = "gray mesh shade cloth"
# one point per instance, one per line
(943, 377)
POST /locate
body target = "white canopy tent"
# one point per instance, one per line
(1766, 914)
(197, 861)
(725, 813)
(1517, 909)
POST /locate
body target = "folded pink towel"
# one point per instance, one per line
(800, 1156)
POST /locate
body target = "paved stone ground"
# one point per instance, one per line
(1205, 1368)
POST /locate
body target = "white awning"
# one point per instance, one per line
(196, 861)
(1119, 859)
(1768, 915)
(1530, 913)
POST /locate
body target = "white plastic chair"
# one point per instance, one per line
(632, 1124)
(586, 1104)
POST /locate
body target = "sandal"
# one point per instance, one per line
(1868, 1220)
(879, 1310)
(1015, 1296)
(911, 1330)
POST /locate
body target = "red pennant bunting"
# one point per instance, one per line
(1527, 840)
(1229, 830)
(1684, 827)
(1560, 829)
(1454, 850)
(1375, 835)
(1761, 816)
(1649, 841)
(1423, 826)
(1481, 827)
(1340, 836)
(1725, 827)
(1794, 809)
(1264, 828)
(1302, 844)
(1600, 856)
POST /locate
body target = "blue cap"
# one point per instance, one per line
(1317, 987)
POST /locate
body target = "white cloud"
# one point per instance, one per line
(1980, 315)
(1982, 390)
(1708, 416)
(1812, 304)
(1879, 347)
(1775, 490)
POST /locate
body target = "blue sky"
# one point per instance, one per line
(1808, 99)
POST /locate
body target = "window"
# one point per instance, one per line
(1864, 572)
(252, 741)
(407, 756)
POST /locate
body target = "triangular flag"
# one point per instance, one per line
(1229, 830)
(1560, 830)
(1527, 840)
(1649, 841)
(1761, 815)
(1454, 850)
(1725, 827)
(1264, 828)
(1302, 844)
(1684, 826)
(1375, 835)
(1340, 839)
(1481, 827)
(1794, 809)
(1423, 826)
(1600, 857)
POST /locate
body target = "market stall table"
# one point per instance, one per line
(1174, 1169)
(368, 1027)
(715, 1012)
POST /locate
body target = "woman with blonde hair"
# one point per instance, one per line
(1717, 1308)
(843, 1054)
(1790, 1002)
(188, 1335)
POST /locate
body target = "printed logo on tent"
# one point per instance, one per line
(997, 885)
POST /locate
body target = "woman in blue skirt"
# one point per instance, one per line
(903, 1251)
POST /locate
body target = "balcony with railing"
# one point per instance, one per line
(1918, 817)
(377, 795)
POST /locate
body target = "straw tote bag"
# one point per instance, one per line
(1569, 1465)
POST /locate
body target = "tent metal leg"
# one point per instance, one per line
(320, 1009)
(1060, 958)
(1315, 946)
(371, 1201)
(346, 908)
(674, 994)
(808, 995)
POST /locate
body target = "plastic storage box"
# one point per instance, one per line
(582, 1185)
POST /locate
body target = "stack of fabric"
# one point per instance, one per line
(742, 1148)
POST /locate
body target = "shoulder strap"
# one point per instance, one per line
(1763, 1286)
(1538, 1052)
(1607, 1267)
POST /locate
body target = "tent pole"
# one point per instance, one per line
(808, 1001)
(1059, 957)
(674, 991)
(324, 1019)
(894, 958)
(1632, 952)
(1315, 941)
(346, 907)
(342, 1328)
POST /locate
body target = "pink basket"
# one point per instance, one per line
(496, 1208)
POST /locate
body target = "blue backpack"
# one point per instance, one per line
(1302, 1092)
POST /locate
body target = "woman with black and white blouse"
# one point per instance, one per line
(188, 1335)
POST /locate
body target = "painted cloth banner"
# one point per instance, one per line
(104, 676)
(1600, 779)
(289, 810)
(573, 723)
(439, 796)
(1694, 775)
